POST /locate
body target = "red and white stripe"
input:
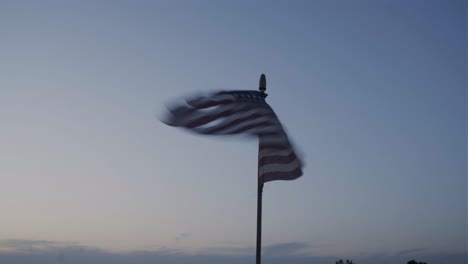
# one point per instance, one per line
(277, 159)
(246, 112)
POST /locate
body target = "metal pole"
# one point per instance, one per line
(259, 223)
(261, 88)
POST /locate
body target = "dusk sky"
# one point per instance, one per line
(372, 93)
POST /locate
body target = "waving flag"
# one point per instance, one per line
(242, 112)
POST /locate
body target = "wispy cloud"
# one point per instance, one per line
(181, 236)
(47, 252)
(410, 251)
(229, 251)
(281, 249)
(28, 245)
(41, 252)
(292, 248)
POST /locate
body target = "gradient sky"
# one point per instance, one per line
(372, 92)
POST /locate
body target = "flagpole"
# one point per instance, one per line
(261, 88)
(259, 222)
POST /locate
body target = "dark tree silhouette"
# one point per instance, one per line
(415, 262)
(347, 262)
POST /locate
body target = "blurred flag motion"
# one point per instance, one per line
(242, 112)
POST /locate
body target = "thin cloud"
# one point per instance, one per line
(291, 248)
(229, 251)
(23, 245)
(410, 251)
(181, 236)
(49, 252)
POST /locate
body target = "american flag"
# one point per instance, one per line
(242, 112)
